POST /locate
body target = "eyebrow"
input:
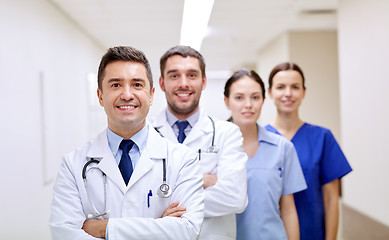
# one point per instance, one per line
(190, 70)
(243, 93)
(138, 80)
(121, 79)
(114, 80)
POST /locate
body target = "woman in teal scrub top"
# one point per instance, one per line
(273, 170)
(321, 158)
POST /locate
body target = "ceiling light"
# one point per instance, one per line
(195, 22)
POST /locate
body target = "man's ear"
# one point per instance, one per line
(204, 83)
(152, 96)
(162, 83)
(100, 96)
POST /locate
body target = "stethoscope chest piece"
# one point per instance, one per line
(164, 190)
(213, 149)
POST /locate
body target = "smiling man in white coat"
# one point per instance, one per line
(217, 143)
(128, 182)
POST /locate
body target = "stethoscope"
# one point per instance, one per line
(84, 171)
(213, 148)
(164, 190)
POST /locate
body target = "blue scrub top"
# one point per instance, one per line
(274, 171)
(322, 162)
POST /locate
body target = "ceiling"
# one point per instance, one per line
(237, 29)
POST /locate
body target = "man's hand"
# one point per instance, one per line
(209, 180)
(174, 210)
(95, 227)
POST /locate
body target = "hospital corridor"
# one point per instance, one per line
(50, 51)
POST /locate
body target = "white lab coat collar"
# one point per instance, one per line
(203, 126)
(156, 149)
(161, 124)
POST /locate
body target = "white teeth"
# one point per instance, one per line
(183, 94)
(126, 107)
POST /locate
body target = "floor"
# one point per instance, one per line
(356, 226)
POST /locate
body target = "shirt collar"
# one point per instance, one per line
(171, 119)
(265, 136)
(140, 139)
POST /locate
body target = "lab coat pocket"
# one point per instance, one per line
(155, 205)
(208, 162)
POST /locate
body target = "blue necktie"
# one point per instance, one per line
(181, 127)
(125, 164)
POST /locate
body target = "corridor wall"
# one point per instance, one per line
(44, 63)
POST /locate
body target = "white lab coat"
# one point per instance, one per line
(129, 217)
(229, 195)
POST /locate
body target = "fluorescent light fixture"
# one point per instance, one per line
(195, 21)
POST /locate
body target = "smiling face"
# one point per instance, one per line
(287, 91)
(245, 101)
(126, 97)
(182, 83)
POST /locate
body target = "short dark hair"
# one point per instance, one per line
(285, 67)
(238, 75)
(183, 51)
(123, 53)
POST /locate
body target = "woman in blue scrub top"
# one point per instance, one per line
(321, 158)
(273, 169)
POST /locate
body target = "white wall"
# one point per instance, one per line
(42, 54)
(212, 99)
(275, 52)
(364, 83)
(316, 53)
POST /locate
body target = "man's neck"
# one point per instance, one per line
(182, 116)
(127, 132)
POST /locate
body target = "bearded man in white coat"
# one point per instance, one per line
(218, 143)
(104, 191)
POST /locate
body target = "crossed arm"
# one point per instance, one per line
(97, 227)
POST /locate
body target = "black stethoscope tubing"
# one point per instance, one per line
(84, 169)
(213, 148)
(92, 160)
(163, 191)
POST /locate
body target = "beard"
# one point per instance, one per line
(183, 110)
